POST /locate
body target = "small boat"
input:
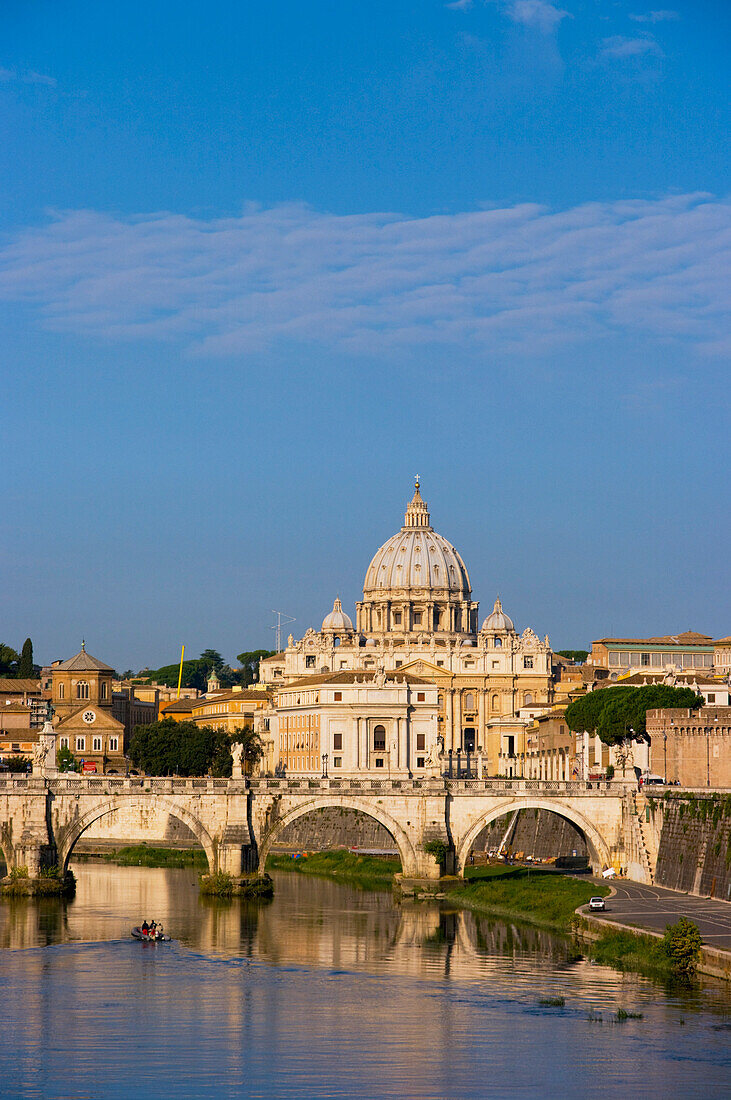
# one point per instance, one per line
(158, 937)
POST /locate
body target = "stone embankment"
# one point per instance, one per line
(693, 830)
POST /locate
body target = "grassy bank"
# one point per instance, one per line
(369, 872)
(548, 899)
(627, 951)
(140, 855)
(540, 897)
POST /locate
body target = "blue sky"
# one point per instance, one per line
(260, 264)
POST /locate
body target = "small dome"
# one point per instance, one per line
(371, 641)
(337, 621)
(497, 620)
(467, 642)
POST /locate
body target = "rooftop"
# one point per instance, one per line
(688, 637)
(16, 687)
(353, 676)
(82, 662)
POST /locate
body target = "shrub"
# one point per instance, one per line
(438, 849)
(220, 885)
(682, 945)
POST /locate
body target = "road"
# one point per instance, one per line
(654, 907)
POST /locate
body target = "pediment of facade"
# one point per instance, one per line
(103, 720)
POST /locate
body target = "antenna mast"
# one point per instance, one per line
(282, 620)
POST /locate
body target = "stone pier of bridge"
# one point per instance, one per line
(237, 821)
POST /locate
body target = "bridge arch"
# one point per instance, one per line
(76, 828)
(595, 842)
(404, 845)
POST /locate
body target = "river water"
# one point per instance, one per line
(327, 991)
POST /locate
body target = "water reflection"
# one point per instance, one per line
(325, 991)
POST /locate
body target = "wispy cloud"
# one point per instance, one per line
(539, 14)
(619, 46)
(516, 279)
(662, 16)
(27, 76)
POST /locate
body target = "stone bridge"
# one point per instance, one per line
(236, 821)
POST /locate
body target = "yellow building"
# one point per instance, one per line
(227, 710)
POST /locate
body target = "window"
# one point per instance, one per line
(440, 664)
(399, 663)
(711, 697)
(80, 744)
(337, 761)
(337, 740)
(114, 744)
(645, 660)
(498, 643)
(82, 690)
(379, 762)
(469, 664)
(420, 742)
(469, 701)
(103, 693)
(338, 696)
(379, 739)
(527, 699)
(309, 662)
(343, 664)
(96, 744)
(613, 659)
(417, 618)
(61, 691)
(527, 662)
(64, 743)
(496, 703)
(421, 696)
(397, 618)
(496, 664)
(420, 761)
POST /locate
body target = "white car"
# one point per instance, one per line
(596, 903)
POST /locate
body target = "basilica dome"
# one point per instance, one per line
(417, 557)
(417, 584)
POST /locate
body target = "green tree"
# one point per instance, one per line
(9, 660)
(178, 748)
(194, 675)
(578, 655)
(66, 760)
(250, 665)
(682, 944)
(616, 713)
(25, 666)
(212, 659)
(17, 764)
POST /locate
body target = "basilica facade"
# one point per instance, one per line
(418, 617)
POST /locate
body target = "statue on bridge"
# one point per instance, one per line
(237, 753)
(44, 753)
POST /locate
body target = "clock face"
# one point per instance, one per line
(89, 716)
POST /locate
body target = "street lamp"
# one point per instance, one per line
(324, 765)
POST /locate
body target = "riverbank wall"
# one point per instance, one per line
(691, 834)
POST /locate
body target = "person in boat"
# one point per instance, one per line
(145, 928)
(153, 930)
